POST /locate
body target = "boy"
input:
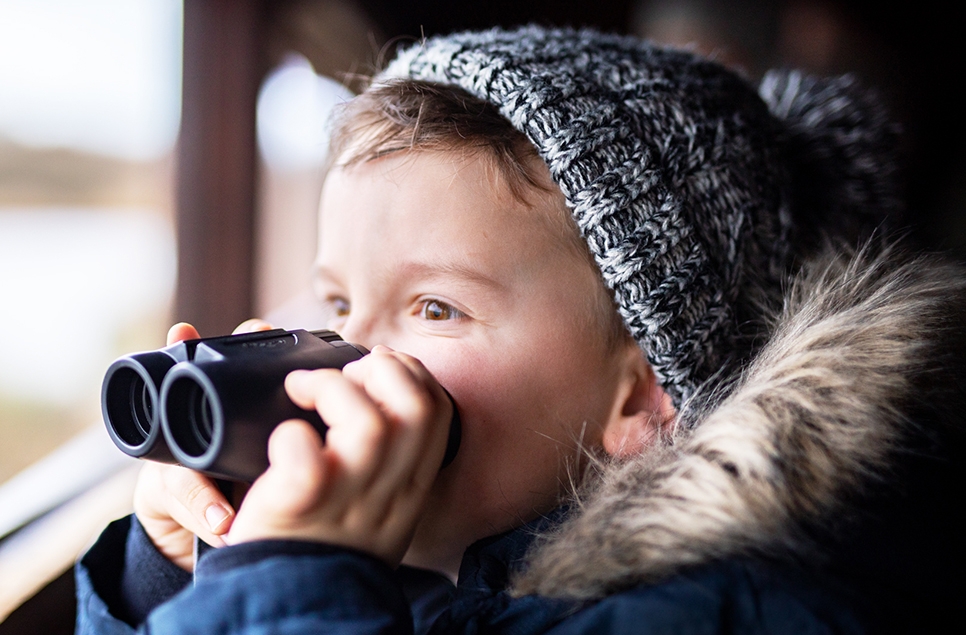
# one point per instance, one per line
(573, 234)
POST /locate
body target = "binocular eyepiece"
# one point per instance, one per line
(210, 404)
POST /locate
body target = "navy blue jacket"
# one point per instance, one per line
(293, 587)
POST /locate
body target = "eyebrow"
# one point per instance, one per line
(454, 269)
(428, 270)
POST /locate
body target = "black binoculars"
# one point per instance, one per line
(210, 404)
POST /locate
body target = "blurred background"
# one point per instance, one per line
(159, 160)
(90, 102)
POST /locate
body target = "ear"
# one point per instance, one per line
(641, 408)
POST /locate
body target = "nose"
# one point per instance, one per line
(357, 330)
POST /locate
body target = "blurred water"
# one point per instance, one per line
(71, 283)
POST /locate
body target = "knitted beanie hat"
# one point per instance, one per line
(681, 178)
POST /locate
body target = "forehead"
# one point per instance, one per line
(454, 196)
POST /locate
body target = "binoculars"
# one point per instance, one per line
(210, 404)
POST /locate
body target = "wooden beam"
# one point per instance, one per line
(223, 66)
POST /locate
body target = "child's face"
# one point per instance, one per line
(429, 254)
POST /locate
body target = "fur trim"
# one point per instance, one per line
(812, 421)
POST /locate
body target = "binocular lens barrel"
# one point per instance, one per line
(130, 406)
(190, 416)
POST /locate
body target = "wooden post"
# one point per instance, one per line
(223, 66)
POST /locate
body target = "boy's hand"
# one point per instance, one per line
(365, 488)
(173, 503)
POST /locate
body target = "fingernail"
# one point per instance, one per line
(215, 515)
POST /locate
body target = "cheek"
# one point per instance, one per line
(506, 425)
(501, 382)
(522, 401)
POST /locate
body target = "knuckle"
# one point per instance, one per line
(358, 369)
(410, 361)
(190, 488)
(309, 386)
(306, 482)
(417, 407)
(193, 493)
(373, 429)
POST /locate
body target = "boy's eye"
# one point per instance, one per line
(336, 311)
(436, 310)
(340, 307)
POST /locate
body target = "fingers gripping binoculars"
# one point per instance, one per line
(210, 404)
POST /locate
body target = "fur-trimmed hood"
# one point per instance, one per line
(860, 347)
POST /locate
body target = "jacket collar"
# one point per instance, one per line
(488, 564)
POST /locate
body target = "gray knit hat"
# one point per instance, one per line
(682, 179)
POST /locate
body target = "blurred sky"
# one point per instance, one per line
(96, 75)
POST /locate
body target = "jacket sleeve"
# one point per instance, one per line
(269, 586)
(286, 587)
(122, 578)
